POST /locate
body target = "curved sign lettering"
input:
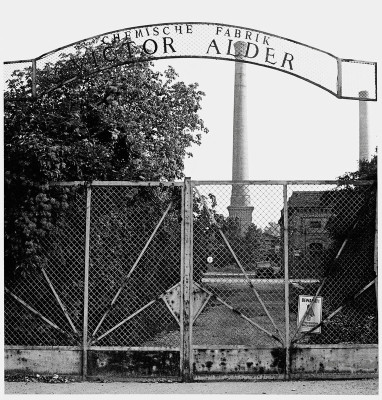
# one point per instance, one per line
(344, 78)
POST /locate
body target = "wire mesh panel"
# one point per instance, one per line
(331, 253)
(237, 258)
(45, 306)
(135, 257)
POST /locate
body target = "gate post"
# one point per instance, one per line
(86, 285)
(376, 249)
(186, 354)
(286, 279)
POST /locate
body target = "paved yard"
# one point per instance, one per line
(345, 387)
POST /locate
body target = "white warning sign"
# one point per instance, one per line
(314, 316)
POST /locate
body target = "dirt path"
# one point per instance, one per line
(218, 325)
(348, 387)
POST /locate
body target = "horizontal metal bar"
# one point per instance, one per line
(116, 183)
(200, 183)
(276, 182)
(195, 347)
(133, 183)
(132, 348)
(234, 347)
(69, 183)
(58, 348)
(337, 346)
(18, 61)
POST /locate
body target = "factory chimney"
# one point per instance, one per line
(240, 206)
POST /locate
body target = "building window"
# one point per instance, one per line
(315, 224)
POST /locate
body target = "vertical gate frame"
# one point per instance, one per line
(286, 282)
(376, 250)
(186, 353)
(86, 285)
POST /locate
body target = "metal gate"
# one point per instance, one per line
(262, 248)
(134, 280)
(196, 280)
(238, 264)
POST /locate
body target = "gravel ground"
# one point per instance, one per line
(217, 325)
(346, 387)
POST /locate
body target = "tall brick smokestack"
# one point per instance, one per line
(364, 150)
(240, 206)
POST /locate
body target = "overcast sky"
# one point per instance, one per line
(297, 130)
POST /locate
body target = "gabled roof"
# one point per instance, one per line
(309, 199)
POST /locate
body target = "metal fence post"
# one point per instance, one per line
(186, 285)
(376, 250)
(86, 285)
(286, 279)
(34, 86)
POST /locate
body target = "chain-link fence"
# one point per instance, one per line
(45, 306)
(130, 267)
(332, 255)
(133, 260)
(111, 274)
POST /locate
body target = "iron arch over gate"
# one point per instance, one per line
(343, 78)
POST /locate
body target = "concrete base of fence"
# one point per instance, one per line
(334, 359)
(45, 360)
(131, 364)
(235, 362)
(239, 360)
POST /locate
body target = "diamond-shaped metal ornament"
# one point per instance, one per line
(200, 298)
(172, 299)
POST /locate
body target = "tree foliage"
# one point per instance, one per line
(125, 123)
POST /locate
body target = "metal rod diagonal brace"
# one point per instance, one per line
(239, 264)
(125, 280)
